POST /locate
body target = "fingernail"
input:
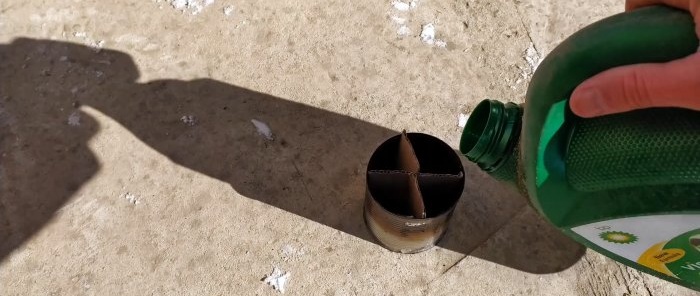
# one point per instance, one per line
(587, 103)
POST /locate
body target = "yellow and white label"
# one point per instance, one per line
(669, 244)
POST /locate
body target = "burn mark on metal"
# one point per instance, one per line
(414, 181)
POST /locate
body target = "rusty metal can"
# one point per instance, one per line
(414, 182)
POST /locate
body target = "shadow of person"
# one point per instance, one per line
(314, 166)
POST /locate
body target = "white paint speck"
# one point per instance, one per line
(401, 19)
(63, 59)
(228, 10)
(192, 6)
(290, 252)
(462, 119)
(179, 4)
(277, 279)
(96, 45)
(401, 6)
(263, 129)
(398, 20)
(427, 35)
(241, 24)
(150, 47)
(532, 57)
(131, 198)
(189, 120)
(403, 31)
(74, 119)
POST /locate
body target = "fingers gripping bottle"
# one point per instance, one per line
(625, 185)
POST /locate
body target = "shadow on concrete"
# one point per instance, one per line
(314, 168)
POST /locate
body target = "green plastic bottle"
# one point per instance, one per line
(625, 185)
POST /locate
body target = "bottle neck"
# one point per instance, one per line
(491, 136)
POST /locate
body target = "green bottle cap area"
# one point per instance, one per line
(491, 136)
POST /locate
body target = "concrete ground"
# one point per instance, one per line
(107, 187)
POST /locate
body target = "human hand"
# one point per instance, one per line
(626, 88)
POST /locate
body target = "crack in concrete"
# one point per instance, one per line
(626, 284)
(644, 283)
(527, 31)
(301, 178)
(449, 268)
(590, 282)
(633, 273)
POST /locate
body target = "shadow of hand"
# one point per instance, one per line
(314, 167)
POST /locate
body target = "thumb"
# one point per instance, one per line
(673, 84)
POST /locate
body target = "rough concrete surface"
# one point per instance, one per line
(130, 165)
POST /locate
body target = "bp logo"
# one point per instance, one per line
(618, 237)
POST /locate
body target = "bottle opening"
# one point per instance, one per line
(475, 128)
(491, 135)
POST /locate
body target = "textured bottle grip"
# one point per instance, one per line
(658, 146)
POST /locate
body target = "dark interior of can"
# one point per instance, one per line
(434, 155)
(440, 177)
(385, 157)
(391, 191)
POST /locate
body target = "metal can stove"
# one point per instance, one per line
(414, 182)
